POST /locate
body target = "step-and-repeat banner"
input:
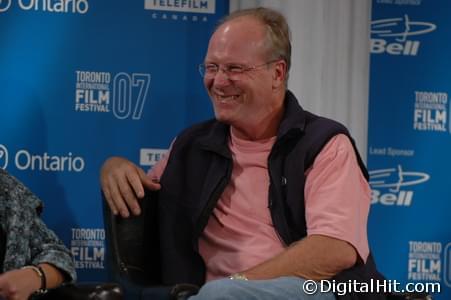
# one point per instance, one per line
(83, 80)
(409, 141)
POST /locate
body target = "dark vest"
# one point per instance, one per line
(199, 169)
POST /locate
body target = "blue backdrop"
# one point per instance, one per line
(410, 140)
(84, 80)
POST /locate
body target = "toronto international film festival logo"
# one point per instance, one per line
(431, 112)
(123, 94)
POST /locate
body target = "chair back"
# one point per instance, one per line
(132, 248)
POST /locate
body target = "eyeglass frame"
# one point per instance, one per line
(226, 69)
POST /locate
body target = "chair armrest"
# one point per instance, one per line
(183, 291)
(85, 291)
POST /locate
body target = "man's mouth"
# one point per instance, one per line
(226, 98)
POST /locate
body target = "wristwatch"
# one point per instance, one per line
(238, 276)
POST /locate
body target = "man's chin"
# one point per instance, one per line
(223, 118)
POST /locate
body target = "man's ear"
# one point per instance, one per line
(280, 73)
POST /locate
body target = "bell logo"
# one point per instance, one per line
(4, 5)
(398, 29)
(403, 198)
(408, 48)
(392, 181)
(3, 157)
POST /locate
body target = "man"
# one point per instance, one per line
(266, 193)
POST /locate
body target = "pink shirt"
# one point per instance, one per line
(240, 233)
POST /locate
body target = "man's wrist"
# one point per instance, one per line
(238, 276)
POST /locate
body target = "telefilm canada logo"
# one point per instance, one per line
(51, 6)
(389, 186)
(122, 94)
(431, 111)
(181, 10)
(150, 156)
(398, 36)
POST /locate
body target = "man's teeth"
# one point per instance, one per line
(227, 98)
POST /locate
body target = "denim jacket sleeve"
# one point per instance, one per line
(28, 239)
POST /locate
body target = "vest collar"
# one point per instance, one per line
(294, 116)
(217, 139)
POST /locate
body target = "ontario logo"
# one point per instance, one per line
(123, 94)
(52, 6)
(23, 160)
(391, 36)
(4, 5)
(3, 157)
(388, 186)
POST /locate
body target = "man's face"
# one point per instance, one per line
(246, 99)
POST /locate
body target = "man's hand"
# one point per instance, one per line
(18, 284)
(123, 183)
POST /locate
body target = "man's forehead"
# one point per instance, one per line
(239, 33)
(243, 24)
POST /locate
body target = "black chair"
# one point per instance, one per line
(132, 254)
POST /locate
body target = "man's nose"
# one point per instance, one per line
(221, 78)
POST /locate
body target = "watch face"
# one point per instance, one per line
(238, 276)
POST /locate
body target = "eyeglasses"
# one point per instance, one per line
(233, 71)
